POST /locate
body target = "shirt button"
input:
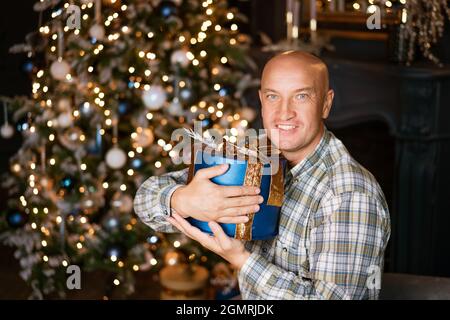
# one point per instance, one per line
(284, 249)
(264, 250)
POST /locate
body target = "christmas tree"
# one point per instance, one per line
(108, 89)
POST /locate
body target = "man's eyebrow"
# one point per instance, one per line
(268, 89)
(310, 89)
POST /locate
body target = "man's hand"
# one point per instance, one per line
(230, 249)
(207, 201)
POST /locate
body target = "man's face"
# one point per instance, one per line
(294, 101)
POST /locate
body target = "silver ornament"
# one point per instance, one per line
(97, 31)
(64, 120)
(179, 57)
(154, 98)
(175, 107)
(7, 131)
(59, 69)
(116, 158)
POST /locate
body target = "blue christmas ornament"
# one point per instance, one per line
(224, 91)
(16, 219)
(67, 183)
(28, 66)
(167, 9)
(131, 84)
(124, 106)
(187, 95)
(136, 163)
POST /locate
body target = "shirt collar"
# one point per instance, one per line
(313, 157)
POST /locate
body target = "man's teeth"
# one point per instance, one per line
(285, 127)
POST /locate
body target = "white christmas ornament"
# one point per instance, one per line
(64, 104)
(97, 31)
(143, 137)
(154, 98)
(116, 158)
(7, 131)
(180, 57)
(175, 107)
(59, 69)
(64, 120)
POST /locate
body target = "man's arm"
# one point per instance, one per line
(152, 200)
(344, 251)
(158, 197)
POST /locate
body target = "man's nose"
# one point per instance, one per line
(286, 111)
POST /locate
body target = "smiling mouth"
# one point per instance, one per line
(286, 127)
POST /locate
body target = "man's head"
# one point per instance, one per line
(295, 98)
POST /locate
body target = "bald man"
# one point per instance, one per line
(334, 222)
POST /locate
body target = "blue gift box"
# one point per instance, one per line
(265, 222)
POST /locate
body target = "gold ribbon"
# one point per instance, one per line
(276, 193)
(252, 178)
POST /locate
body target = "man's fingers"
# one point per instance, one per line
(239, 211)
(236, 191)
(196, 234)
(212, 172)
(242, 201)
(224, 240)
(241, 219)
(176, 225)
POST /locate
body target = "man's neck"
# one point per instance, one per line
(298, 156)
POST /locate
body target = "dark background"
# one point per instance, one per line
(371, 140)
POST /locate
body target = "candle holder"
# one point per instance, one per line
(293, 41)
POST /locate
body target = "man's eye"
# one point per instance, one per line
(301, 96)
(271, 96)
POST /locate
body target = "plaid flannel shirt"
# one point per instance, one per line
(333, 230)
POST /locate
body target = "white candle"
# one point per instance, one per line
(332, 5)
(313, 20)
(296, 20)
(289, 8)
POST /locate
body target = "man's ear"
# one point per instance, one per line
(327, 104)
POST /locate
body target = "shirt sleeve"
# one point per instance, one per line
(345, 255)
(152, 200)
